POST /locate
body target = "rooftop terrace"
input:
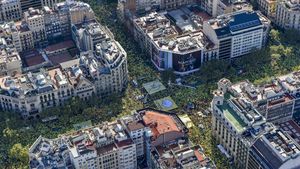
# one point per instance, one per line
(174, 31)
(233, 118)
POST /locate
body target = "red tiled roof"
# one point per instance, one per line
(62, 45)
(32, 58)
(159, 123)
(60, 58)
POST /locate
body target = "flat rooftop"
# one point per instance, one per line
(275, 148)
(161, 123)
(181, 155)
(60, 46)
(154, 87)
(60, 58)
(227, 24)
(292, 128)
(174, 31)
(233, 118)
(32, 58)
(290, 82)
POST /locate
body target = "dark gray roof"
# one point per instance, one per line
(239, 22)
(266, 155)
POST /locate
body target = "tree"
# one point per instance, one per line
(18, 153)
(275, 36)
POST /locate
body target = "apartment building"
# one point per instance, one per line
(49, 3)
(235, 124)
(225, 7)
(10, 61)
(150, 128)
(209, 6)
(109, 66)
(117, 144)
(23, 37)
(26, 4)
(30, 93)
(36, 23)
(237, 34)
(41, 25)
(101, 67)
(103, 146)
(290, 85)
(269, 99)
(244, 115)
(287, 14)
(10, 10)
(53, 26)
(62, 9)
(80, 12)
(174, 4)
(102, 72)
(183, 49)
(274, 149)
(268, 8)
(180, 154)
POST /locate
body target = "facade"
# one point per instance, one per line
(36, 23)
(235, 124)
(237, 34)
(184, 50)
(80, 12)
(53, 26)
(290, 84)
(10, 61)
(10, 10)
(287, 14)
(26, 4)
(268, 8)
(49, 3)
(23, 37)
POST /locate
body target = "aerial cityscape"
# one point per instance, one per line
(150, 84)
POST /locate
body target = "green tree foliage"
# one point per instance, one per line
(18, 154)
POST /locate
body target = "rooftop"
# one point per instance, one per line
(182, 37)
(105, 45)
(32, 58)
(60, 46)
(181, 154)
(233, 118)
(160, 123)
(290, 83)
(49, 153)
(292, 129)
(228, 24)
(96, 140)
(275, 148)
(266, 95)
